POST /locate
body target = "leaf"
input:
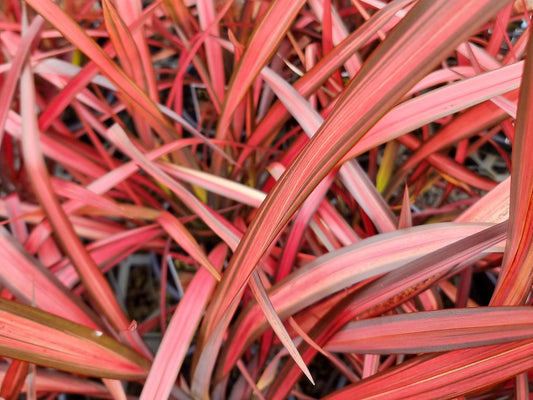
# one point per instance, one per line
(31, 283)
(14, 379)
(216, 184)
(183, 237)
(406, 219)
(213, 52)
(434, 331)
(130, 58)
(110, 251)
(53, 381)
(353, 176)
(514, 282)
(338, 32)
(430, 106)
(181, 330)
(10, 81)
(464, 126)
(93, 280)
(121, 140)
(40, 338)
(387, 165)
(493, 207)
(276, 324)
(445, 376)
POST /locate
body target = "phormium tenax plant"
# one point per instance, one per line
(228, 199)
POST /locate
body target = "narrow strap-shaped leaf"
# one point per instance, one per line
(54, 381)
(311, 81)
(94, 281)
(119, 138)
(338, 270)
(180, 332)
(213, 51)
(10, 81)
(434, 331)
(183, 237)
(136, 97)
(229, 236)
(474, 120)
(130, 60)
(338, 31)
(493, 207)
(31, 283)
(514, 283)
(115, 388)
(354, 178)
(14, 380)
(406, 219)
(444, 376)
(430, 106)
(40, 338)
(276, 324)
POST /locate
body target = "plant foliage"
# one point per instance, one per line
(273, 199)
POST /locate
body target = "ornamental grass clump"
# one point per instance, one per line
(266, 199)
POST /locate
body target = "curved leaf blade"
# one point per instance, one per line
(31, 335)
(435, 331)
(514, 283)
(445, 376)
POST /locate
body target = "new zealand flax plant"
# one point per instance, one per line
(226, 199)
